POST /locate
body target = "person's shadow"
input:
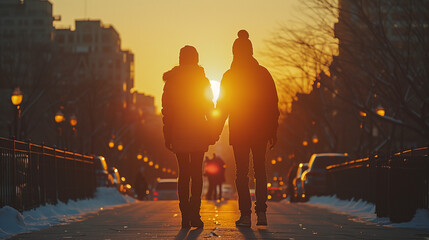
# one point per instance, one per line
(187, 233)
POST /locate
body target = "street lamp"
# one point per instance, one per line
(111, 143)
(305, 143)
(120, 147)
(315, 139)
(139, 156)
(380, 111)
(16, 99)
(73, 121)
(59, 117)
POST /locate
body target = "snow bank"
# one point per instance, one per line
(13, 222)
(362, 211)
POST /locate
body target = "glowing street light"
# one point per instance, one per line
(305, 143)
(16, 97)
(156, 166)
(139, 156)
(315, 139)
(164, 169)
(151, 163)
(120, 147)
(145, 159)
(111, 143)
(273, 161)
(380, 111)
(59, 117)
(73, 120)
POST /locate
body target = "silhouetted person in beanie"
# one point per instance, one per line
(249, 98)
(186, 106)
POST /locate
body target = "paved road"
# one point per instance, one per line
(161, 220)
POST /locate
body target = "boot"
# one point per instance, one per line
(244, 221)
(262, 219)
(196, 220)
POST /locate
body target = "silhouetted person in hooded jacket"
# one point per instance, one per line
(140, 185)
(186, 106)
(248, 97)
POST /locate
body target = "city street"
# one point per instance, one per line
(161, 220)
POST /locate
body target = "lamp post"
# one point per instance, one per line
(120, 147)
(16, 99)
(111, 143)
(73, 123)
(59, 118)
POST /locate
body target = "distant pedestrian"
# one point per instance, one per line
(186, 107)
(248, 97)
(219, 176)
(210, 170)
(140, 185)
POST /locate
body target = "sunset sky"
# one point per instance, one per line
(155, 30)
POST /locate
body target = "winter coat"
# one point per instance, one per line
(248, 97)
(186, 108)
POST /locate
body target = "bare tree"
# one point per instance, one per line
(381, 63)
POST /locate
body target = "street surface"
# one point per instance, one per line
(161, 220)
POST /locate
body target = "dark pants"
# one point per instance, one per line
(241, 154)
(211, 190)
(214, 190)
(219, 190)
(190, 167)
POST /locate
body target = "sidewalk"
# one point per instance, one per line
(161, 220)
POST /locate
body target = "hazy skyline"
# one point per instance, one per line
(156, 30)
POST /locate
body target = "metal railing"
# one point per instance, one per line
(398, 184)
(33, 175)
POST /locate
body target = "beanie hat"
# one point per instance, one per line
(242, 45)
(188, 56)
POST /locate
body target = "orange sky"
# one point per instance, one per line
(155, 30)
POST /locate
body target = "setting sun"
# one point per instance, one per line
(216, 89)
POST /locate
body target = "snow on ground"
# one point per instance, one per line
(13, 222)
(362, 211)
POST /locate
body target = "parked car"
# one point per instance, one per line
(275, 193)
(103, 177)
(117, 182)
(165, 189)
(314, 181)
(298, 194)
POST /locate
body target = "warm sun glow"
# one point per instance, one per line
(216, 89)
